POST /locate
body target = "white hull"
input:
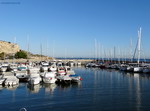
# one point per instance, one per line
(3, 69)
(49, 77)
(64, 78)
(45, 68)
(12, 80)
(61, 73)
(76, 79)
(22, 75)
(49, 80)
(129, 68)
(138, 69)
(53, 68)
(34, 70)
(2, 81)
(70, 72)
(34, 80)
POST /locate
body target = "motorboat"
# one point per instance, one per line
(11, 80)
(61, 71)
(4, 66)
(23, 76)
(75, 78)
(44, 67)
(52, 68)
(123, 67)
(69, 70)
(2, 80)
(22, 67)
(49, 77)
(64, 79)
(146, 70)
(138, 69)
(130, 68)
(34, 79)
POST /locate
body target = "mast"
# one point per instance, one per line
(28, 48)
(95, 49)
(41, 52)
(131, 49)
(47, 50)
(102, 54)
(53, 48)
(114, 54)
(13, 48)
(119, 55)
(139, 45)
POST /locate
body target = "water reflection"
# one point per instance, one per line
(136, 83)
(34, 88)
(49, 88)
(14, 87)
(137, 75)
(99, 90)
(1, 87)
(65, 87)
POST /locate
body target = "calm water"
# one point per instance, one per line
(100, 90)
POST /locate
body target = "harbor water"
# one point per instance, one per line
(100, 90)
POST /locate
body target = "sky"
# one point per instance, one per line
(76, 28)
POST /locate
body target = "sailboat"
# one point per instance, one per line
(138, 68)
(130, 67)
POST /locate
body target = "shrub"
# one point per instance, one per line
(2, 55)
(21, 54)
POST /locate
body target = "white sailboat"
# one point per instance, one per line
(130, 67)
(138, 68)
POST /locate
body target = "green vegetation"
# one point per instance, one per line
(2, 55)
(21, 54)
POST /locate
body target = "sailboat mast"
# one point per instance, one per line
(139, 45)
(28, 48)
(95, 49)
(41, 51)
(131, 49)
(13, 48)
(114, 54)
(53, 48)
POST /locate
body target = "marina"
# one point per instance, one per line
(74, 55)
(102, 89)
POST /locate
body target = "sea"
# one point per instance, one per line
(113, 59)
(99, 90)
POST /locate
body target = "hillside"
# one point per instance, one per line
(8, 48)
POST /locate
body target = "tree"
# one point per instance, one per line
(2, 55)
(21, 54)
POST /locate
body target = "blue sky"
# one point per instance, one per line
(69, 27)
